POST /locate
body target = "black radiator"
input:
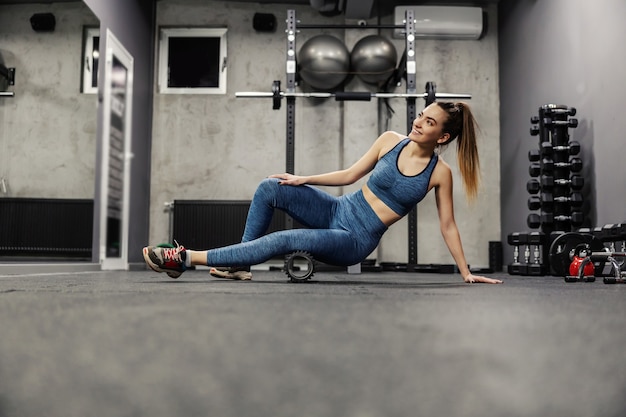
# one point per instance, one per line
(46, 227)
(208, 224)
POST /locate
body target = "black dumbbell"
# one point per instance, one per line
(573, 148)
(547, 200)
(546, 148)
(575, 164)
(534, 169)
(571, 111)
(548, 122)
(533, 155)
(576, 182)
(536, 240)
(517, 240)
(576, 218)
(598, 232)
(575, 199)
(546, 164)
(534, 202)
(533, 186)
(613, 233)
(534, 130)
(537, 168)
(535, 220)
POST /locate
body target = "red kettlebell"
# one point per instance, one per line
(580, 255)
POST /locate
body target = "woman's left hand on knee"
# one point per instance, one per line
(289, 179)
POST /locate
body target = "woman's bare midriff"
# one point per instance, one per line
(384, 213)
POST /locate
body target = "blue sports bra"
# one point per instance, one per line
(398, 191)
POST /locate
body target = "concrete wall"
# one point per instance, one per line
(48, 130)
(220, 147)
(565, 52)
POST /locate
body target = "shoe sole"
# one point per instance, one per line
(155, 267)
(238, 276)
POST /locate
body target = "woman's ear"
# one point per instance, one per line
(445, 138)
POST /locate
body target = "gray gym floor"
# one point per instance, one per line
(374, 344)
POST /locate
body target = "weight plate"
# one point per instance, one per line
(276, 97)
(431, 92)
(563, 247)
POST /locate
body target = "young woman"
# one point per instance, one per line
(345, 230)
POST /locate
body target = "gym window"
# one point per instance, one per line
(192, 61)
(91, 55)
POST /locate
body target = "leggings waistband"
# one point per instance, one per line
(358, 213)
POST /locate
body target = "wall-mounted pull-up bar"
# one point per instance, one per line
(430, 95)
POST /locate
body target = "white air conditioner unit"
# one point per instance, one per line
(442, 22)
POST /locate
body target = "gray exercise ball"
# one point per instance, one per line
(324, 62)
(374, 59)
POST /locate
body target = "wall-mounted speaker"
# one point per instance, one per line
(43, 22)
(264, 22)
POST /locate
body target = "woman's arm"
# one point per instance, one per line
(449, 229)
(349, 175)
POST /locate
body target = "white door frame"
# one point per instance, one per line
(114, 204)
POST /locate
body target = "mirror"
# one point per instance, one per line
(48, 132)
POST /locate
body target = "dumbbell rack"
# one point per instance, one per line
(555, 201)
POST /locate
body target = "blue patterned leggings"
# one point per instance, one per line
(340, 230)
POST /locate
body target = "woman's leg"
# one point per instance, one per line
(310, 206)
(352, 233)
(333, 246)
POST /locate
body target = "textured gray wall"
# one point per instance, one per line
(565, 52)
(220, 147)
(48, 130)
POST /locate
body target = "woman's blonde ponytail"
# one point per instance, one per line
(462, 126)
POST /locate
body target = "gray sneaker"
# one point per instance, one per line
(166, 258)
(241, 273)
